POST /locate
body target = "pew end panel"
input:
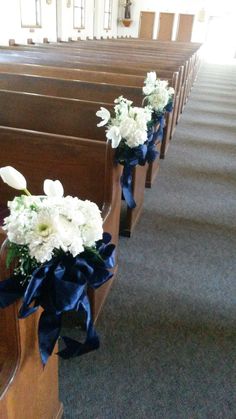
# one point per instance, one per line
(133, 214)
(153, 168)
(111, 216)
(25, 386)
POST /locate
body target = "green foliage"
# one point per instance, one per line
(19, 256)
(12, 253)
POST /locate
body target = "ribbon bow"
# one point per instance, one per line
(58, 286)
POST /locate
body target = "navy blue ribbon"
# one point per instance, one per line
(152, 152)
(58, 286)
(169, 106)
(158, 118)
(129, 158)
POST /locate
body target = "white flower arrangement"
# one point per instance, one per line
(50, 223)
(59, 250)
(129, 125)
(158, 94)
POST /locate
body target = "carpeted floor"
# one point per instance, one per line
(168, 338)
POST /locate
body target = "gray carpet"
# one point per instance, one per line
(168, 328)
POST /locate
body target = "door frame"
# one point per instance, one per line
(140, 18)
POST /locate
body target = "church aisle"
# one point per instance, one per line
(168, 327)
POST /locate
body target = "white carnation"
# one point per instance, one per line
(148, 89)
(127, 126)
(47, 224)
(137, 138)
(157, 92)
(159, 100)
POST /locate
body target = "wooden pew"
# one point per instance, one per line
(108, 64)
(20, 365)
(74, 89)
(141, 48)
(40, 158)
(106, 77)
(85, 167)
(70, 73)
(85, 91)
(167, 51)
(86, 64)
(179, 102)
(162, 59)
(24, 385)
(59, 116)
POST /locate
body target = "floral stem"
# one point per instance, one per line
(26, 192)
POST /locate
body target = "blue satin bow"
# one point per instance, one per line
(58, 286)
(129, 158)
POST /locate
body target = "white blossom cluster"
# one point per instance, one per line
(49, 223)
(129, 123)
(157, 92)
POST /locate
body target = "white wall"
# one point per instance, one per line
(10, 23)
(177, 6)
(98, 24)
(10, 26)
(67, 29)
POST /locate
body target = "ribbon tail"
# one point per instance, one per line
(10, 291)
(159, 134)
(126, 184)
(74, 348)
(48, 333)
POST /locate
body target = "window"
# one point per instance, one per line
(30, 13)
(107, 14)
(79, 14)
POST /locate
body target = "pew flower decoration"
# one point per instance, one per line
(159, 96)
(127, 130)
(59, 249)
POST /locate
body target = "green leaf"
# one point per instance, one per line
(12, 253)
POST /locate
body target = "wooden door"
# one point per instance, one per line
(146, 24)
(185, 28)
(165, 27)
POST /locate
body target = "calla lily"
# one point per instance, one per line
(105, 115)
(53, 188)
(151, 77)
(114, 135)
(13, 178)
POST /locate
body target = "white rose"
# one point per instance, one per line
(53, 188)
(13, 178)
